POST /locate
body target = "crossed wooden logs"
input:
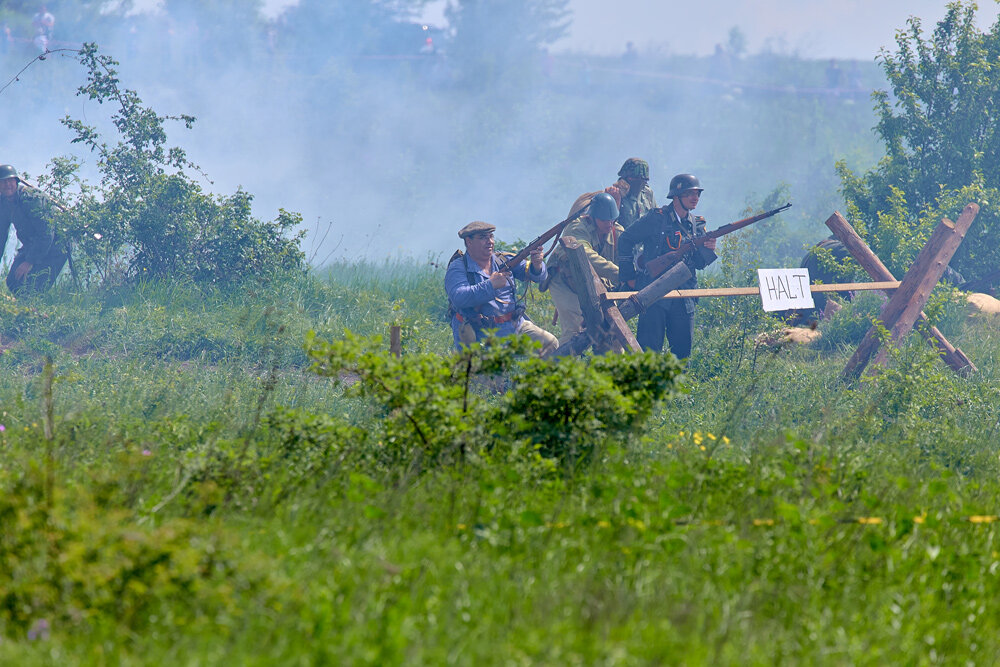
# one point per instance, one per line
(605, 318)
(905, 307)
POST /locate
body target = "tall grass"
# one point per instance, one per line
(771, 514)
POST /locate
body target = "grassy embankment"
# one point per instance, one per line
(173, 517)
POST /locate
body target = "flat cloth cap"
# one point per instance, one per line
(475, 228)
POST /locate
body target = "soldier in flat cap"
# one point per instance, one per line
(481, 297)
(639, 199)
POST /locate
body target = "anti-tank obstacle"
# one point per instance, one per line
(605, 313)
(905, 307)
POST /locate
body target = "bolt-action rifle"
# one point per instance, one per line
(656, 266)
(582, 202)
(509, 264)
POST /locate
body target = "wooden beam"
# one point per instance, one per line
(752, 291)
(869, 261)
(638, 302)
(395, 340)
(605, 330)
(902, 310)
(619, 330)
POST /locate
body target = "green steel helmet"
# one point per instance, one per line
(7, 171)
(634, 168)
(682, 182)
(603, 207)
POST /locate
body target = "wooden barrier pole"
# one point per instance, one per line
(755, 291)
(604, 328)
(673, 277)
(395, 341)
(901, 311)
(870, 262)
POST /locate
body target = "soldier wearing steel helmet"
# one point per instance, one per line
(483, 297)
(658, 232)
(39, 259)
(597, 232)
(639, 199)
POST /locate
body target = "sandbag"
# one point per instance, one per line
(983, 304)
(789, 336)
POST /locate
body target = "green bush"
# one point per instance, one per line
(71, 561)
(148, 218)
(435, 408)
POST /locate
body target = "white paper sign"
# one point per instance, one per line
(784, 289)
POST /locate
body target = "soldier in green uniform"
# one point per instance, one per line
(597, 232)
(660, 231)
(39, 259)
(639, 200)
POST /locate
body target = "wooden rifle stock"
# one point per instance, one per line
(656, 266)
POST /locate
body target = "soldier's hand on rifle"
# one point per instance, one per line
(499, 278)
(710, 243)
(536, 260)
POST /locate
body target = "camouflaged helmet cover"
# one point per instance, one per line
(7, 171)
(475, 227)
(634, 168)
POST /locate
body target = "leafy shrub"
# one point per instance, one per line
(70, 561)
(148, 217)
(434, 409)
(567, 408)
(849, 325)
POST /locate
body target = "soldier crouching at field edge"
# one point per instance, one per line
(660, 231)
(481, 297)
(597, 233)
(39, 259)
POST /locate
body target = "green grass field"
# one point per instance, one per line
(184, 490)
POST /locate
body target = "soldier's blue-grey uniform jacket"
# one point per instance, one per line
(471, 294)
(29, 211)
(659, 232)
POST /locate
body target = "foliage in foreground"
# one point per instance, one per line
(564, 408)
(726, 529)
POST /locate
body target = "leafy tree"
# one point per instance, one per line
(148, 218)
(494, 39)
(939, 126)
(736, 43)
(323, 28)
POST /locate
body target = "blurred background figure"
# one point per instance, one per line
(43, 22)
(631, 56)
